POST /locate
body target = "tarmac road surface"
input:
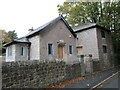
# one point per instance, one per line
(115, 83)
(92, 80)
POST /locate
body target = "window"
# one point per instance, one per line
(104, 49)
(50, 49)
(22, 52)
(10, 51)
(79, 48)
(70, 49)
(103, 34)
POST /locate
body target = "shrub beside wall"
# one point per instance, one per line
(36, 74)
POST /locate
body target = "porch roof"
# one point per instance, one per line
(16, 41)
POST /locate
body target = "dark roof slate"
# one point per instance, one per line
(23, 40)
(47, 25)
(87, 26)
(39, 29)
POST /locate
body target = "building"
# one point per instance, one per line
(95, 40)
(57, 40)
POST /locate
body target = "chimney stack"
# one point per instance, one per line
(31, 29)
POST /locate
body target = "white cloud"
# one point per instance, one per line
(21, 15)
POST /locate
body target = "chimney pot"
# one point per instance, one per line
(31, 29)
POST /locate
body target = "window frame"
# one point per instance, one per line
(23, 51)
(9, 51)
(102, 34)
(52, 49)
(70, 49)
(104, 48)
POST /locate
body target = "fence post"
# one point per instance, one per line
(91, 63)
(82, 65)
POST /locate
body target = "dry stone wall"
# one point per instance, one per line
(96, 66)
(73, 71)
(37, 74)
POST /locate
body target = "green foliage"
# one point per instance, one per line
(77, 13)
(106, 14)
(90, 55)
(82, 56)
(117, 58)
(5, 38)
(12, 35)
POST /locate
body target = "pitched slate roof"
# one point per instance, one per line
(22, 40)
(87, 26)
(47, 25)
(40, 29)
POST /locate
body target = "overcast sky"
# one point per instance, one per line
(21, 15)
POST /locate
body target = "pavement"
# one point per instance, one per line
(91, 80)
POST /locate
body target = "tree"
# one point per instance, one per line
(77, 13)
(12, 35)
(4, 38)
(106, 14)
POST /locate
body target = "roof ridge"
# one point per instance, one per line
(86, 26)
(42, 26)
(50, 23)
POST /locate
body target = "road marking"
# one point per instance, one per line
(101, 83)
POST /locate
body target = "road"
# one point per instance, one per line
(115, 83)
(92, 80)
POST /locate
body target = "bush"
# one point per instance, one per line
(117, 58)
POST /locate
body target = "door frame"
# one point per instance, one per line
(61, 51)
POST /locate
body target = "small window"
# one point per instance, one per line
(50, 49)
(70, 49)
(104, 49)
(10, 51)
(22, 51)
(103, 34)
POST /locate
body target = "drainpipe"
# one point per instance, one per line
(29, 51)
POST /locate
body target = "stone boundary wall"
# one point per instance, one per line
(37, 74)
(96, 66)
(73, 71)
